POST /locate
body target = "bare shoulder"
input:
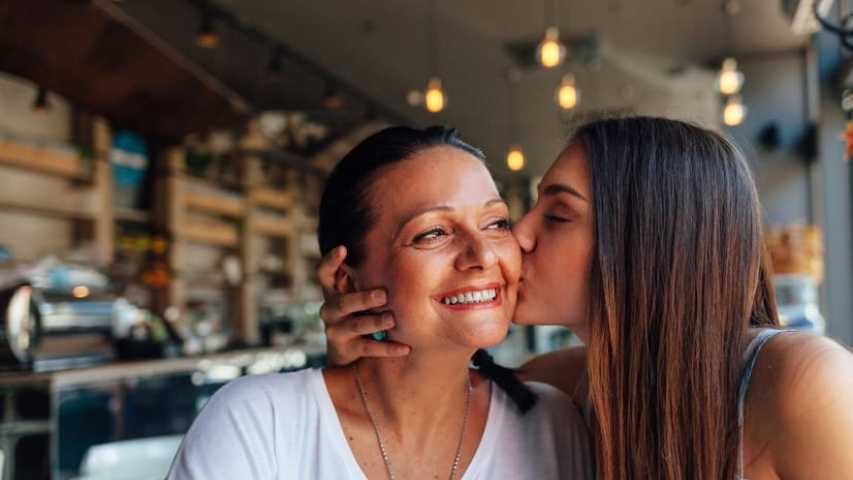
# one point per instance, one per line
(794, 364)
(563, 369)
(799, 404)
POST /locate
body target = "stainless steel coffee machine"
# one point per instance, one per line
(55, 318)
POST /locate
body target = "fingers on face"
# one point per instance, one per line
(329, 265)
(372, 348)
(354, 327)
(341, 306)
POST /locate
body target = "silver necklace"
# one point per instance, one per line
(381, 442)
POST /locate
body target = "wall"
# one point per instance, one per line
(782, 89)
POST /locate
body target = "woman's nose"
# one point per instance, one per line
(524, 233)
(478, 253)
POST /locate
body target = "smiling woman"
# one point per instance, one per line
(417, 211)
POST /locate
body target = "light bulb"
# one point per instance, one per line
(515, 158)
(435, 99)
(80, 291)
(567, 93)
(734, 111)
(730, 79)
(550, 51)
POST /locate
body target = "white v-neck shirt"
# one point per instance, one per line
(284, 426)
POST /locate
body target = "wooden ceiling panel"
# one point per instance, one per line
(104, 62)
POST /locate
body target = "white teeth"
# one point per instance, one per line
(480, 296)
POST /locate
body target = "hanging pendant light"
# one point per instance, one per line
(207, 37)
(435, 99)
(567, 93)
(515, 155)
(515, 158)
(730, 79)
(551, 52)
(734, 111)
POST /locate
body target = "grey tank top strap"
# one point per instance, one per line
(750, 357)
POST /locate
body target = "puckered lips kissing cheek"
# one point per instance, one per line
(473, 297)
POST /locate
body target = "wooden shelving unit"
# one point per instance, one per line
(51, 182)
(192, 212)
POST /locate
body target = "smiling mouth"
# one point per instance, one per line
(470, 298)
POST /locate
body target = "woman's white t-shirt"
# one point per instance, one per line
(284, 426)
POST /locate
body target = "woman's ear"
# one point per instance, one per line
(345, 280)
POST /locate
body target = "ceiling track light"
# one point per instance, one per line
(275, 66)
(40, 103)
(207, 37)
(332, 98)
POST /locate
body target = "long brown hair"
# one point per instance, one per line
(677, 278)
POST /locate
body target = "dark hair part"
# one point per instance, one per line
(346, 215)
(506, 379)
(677, 279)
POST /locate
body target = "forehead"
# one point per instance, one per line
(570, 168)
(434, 176)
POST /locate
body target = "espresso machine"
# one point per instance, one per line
(56, 317)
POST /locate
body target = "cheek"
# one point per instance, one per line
(411, 280)
(557, 291)
(509, 255)
(569, 278)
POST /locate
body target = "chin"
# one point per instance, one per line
(526, 315)
(485, 336)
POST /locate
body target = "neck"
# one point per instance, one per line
(415, 392)
(582, 332)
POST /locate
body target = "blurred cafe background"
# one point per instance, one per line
(161, 163)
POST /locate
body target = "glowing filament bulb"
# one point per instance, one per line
(515, 158)
(550, 51)
(567, 93)
(734, 112)
(435, 99)
(730, 80)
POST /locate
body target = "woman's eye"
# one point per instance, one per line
(555, 218)
(430, 235)
(502, 224)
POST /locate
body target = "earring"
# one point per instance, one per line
(379, 336)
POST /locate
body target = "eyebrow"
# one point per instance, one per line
(437, 208)
(558, 188)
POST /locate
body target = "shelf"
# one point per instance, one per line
(272, 198)
(63, 213)
(224, 204)
(211, 232)
(45, 160)
(131, 215)
(272, 225)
